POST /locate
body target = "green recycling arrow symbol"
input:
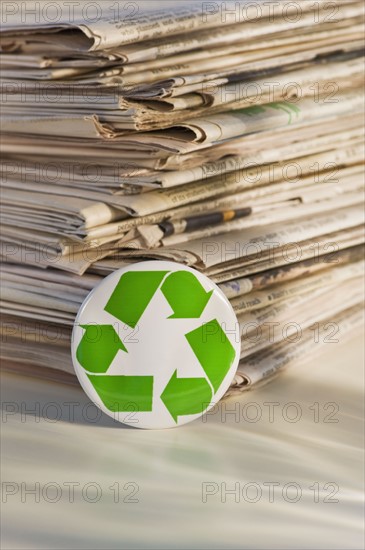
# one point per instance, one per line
(95, 353)
(185, 295)
(214, 351)
(118, 393)
(100, 344)
(98, 347)
(133, 292)
(186, 395)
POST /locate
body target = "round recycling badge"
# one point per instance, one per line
(155, 345)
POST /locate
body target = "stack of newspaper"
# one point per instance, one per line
(225, 136)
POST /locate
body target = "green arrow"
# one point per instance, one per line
(185, 295)
(184, 396)
(132, 295)
(98, 347)
(214, 351)
(120, 393)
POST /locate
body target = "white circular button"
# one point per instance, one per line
(155, 345)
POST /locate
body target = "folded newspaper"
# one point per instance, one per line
(225, 136)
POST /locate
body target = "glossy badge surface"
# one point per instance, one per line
(155, 345)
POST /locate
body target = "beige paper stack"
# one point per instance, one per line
(227, 140)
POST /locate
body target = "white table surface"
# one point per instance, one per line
(170, 468)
